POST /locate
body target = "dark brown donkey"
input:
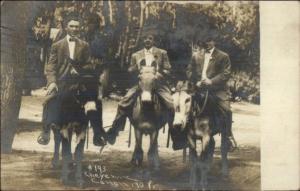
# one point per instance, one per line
(73, 120)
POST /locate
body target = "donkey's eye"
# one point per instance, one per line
(187, 100)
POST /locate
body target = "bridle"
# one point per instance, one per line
(199, 109)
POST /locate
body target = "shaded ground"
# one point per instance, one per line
(29, 166)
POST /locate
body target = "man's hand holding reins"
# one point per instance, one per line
(206, 82)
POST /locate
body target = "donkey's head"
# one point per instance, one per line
(147, 83)
(200, 129)
(182, 105)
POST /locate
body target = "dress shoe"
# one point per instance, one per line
(111, 136)
(99, 141)
(44, 138)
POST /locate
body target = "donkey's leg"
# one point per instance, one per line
(211, 150)
(224, 152)
(137, 157)
(193, 162)
(153, 157)
(57, 141)
(66, 156)
(193, 169)
(78, 159)
(206, 160)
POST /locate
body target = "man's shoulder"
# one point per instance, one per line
(197, 54)
(160, 50)
(83, 42)
(221, 53)
(138, 52)
(59, 42)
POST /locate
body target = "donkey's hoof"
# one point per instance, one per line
(80, 183)
(225, 173)
(136, 162)
(156, 168)
(225, 177)
(55, 163)
(66, 182)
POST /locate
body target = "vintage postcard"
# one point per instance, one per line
(149, 95)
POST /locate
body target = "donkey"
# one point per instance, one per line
(148, 117)
(193, 116)
(73, 120)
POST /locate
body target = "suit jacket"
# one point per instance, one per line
(219, 69)
(160, 56)
(59, 64)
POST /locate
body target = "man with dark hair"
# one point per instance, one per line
(211, 68)
(69, 62)
(148, 55)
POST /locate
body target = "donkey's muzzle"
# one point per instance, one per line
(146, 96)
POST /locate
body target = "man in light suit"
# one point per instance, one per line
(145, 56)
(70, 60)
(211, 68)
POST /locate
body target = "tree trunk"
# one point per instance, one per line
(13, 47)
(141, 24)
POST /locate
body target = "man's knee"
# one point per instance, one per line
(128, 99)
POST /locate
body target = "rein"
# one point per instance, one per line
(205, 102)
(198, 110)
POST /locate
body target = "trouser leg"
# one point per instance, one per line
(226, 115)
(165, 94)
(95, 118)
(51, 111)
(167, 99)
(124, 110)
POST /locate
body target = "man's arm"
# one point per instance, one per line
(51, 66)
(133, 68)
(224, 75)
(88, 66)
(191, 69)
(84, 66)
(166, 64)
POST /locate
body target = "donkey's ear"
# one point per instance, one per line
(188, 100)
(154, 64)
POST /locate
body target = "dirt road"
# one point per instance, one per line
(29, 166)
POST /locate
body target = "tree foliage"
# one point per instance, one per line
(178, 27)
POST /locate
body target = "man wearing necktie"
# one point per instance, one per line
(148, 56)
(68, 63)
(211, 68)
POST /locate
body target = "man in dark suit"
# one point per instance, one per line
(69, 61)
(146, 56)
(211, 68)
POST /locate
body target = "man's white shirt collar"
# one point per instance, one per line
(68, 37)
(71, 47)
(210, 51)
(149, 58)
(149, 50)
(207, 57)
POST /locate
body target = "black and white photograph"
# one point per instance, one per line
(138, 95)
